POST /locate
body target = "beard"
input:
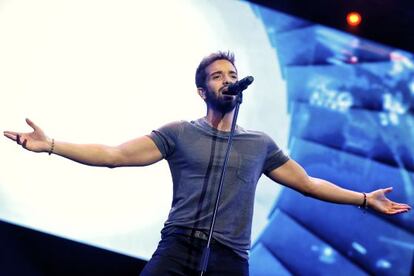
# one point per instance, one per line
(221, 103)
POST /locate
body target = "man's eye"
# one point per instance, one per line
(215, 77)
(234, 77)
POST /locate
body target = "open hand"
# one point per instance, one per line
(380, 203)
(35, 141)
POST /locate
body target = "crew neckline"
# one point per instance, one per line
(204, 124)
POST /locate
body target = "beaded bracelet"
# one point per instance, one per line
(52, 146)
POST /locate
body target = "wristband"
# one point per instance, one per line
(52, 147)
(364, 204)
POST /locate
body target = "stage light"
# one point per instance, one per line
(353, 59)
(353, 19)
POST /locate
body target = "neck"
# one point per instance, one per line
(219, 120)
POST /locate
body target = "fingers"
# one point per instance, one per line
(396, 209)
(10, 132)
(24, 144)
(17, 137)
(11, 135)
(395, 212)
(387, 190)
(31, 124)
(399, 206)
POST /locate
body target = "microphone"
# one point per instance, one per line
(238, 86)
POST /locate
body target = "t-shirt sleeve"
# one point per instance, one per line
(165, 138)
(275, 156)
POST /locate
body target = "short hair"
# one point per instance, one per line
(201, 75)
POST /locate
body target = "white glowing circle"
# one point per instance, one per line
(327, 255)
(327, 251)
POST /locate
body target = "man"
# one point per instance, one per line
(195, 153)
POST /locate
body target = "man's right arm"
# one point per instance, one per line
(141, 151)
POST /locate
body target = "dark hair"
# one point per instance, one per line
(200, 76)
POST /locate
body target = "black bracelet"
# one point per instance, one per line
(364, 204)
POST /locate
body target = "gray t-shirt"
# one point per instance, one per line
(195, 153)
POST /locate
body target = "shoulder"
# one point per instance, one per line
(264, 139)
(173, 127)
(174, 124)
(255, 133)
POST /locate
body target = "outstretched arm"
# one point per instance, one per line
(141, 151)
(292, 175)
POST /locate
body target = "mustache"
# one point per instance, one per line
(224, 88)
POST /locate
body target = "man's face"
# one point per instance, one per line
(219, 75)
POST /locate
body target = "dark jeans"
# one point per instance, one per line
(179, 254)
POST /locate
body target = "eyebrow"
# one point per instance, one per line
(221, 72)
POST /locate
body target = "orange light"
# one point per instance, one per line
(353, 19)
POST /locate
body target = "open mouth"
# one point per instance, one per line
(224, 91)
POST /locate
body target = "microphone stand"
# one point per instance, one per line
(206, 251)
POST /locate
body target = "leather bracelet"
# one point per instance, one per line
(52, 147)
(364, 204)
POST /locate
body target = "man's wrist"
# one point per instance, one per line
(364, 204)
(50, 145)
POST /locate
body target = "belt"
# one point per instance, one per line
(190, 232)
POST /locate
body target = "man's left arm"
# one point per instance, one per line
(292, 175)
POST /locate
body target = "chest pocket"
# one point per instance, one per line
(247, 168)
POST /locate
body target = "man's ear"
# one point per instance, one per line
(202, 93)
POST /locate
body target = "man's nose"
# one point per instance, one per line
(227, 80)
